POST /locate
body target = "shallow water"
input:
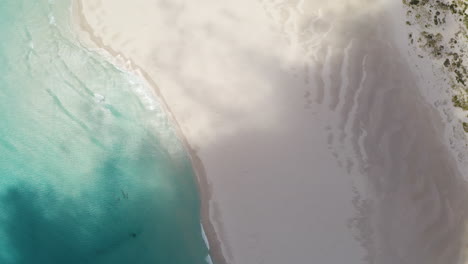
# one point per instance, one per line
(91, 170)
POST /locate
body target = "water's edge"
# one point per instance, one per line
(212, 228)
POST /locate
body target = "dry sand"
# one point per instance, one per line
(307, 124)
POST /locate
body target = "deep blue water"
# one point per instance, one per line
(91, 170)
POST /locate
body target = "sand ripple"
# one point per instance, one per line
(381, 129)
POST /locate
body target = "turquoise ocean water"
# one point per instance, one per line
(91, 170)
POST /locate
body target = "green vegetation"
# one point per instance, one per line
(433, 43)
(415, 2)
(447, 48)
(460, 101)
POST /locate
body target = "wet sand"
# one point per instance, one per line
(307, 123)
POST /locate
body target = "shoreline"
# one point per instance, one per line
(214, 236)
(292, 141)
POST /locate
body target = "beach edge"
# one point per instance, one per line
(211, 226)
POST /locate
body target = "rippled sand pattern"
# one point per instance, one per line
(383, 129)
(301, 110)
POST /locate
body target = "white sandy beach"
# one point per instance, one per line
(309, 127)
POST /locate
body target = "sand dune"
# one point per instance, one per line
(316, 143)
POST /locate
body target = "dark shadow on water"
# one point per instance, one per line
(120, 218)
(125, 218)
